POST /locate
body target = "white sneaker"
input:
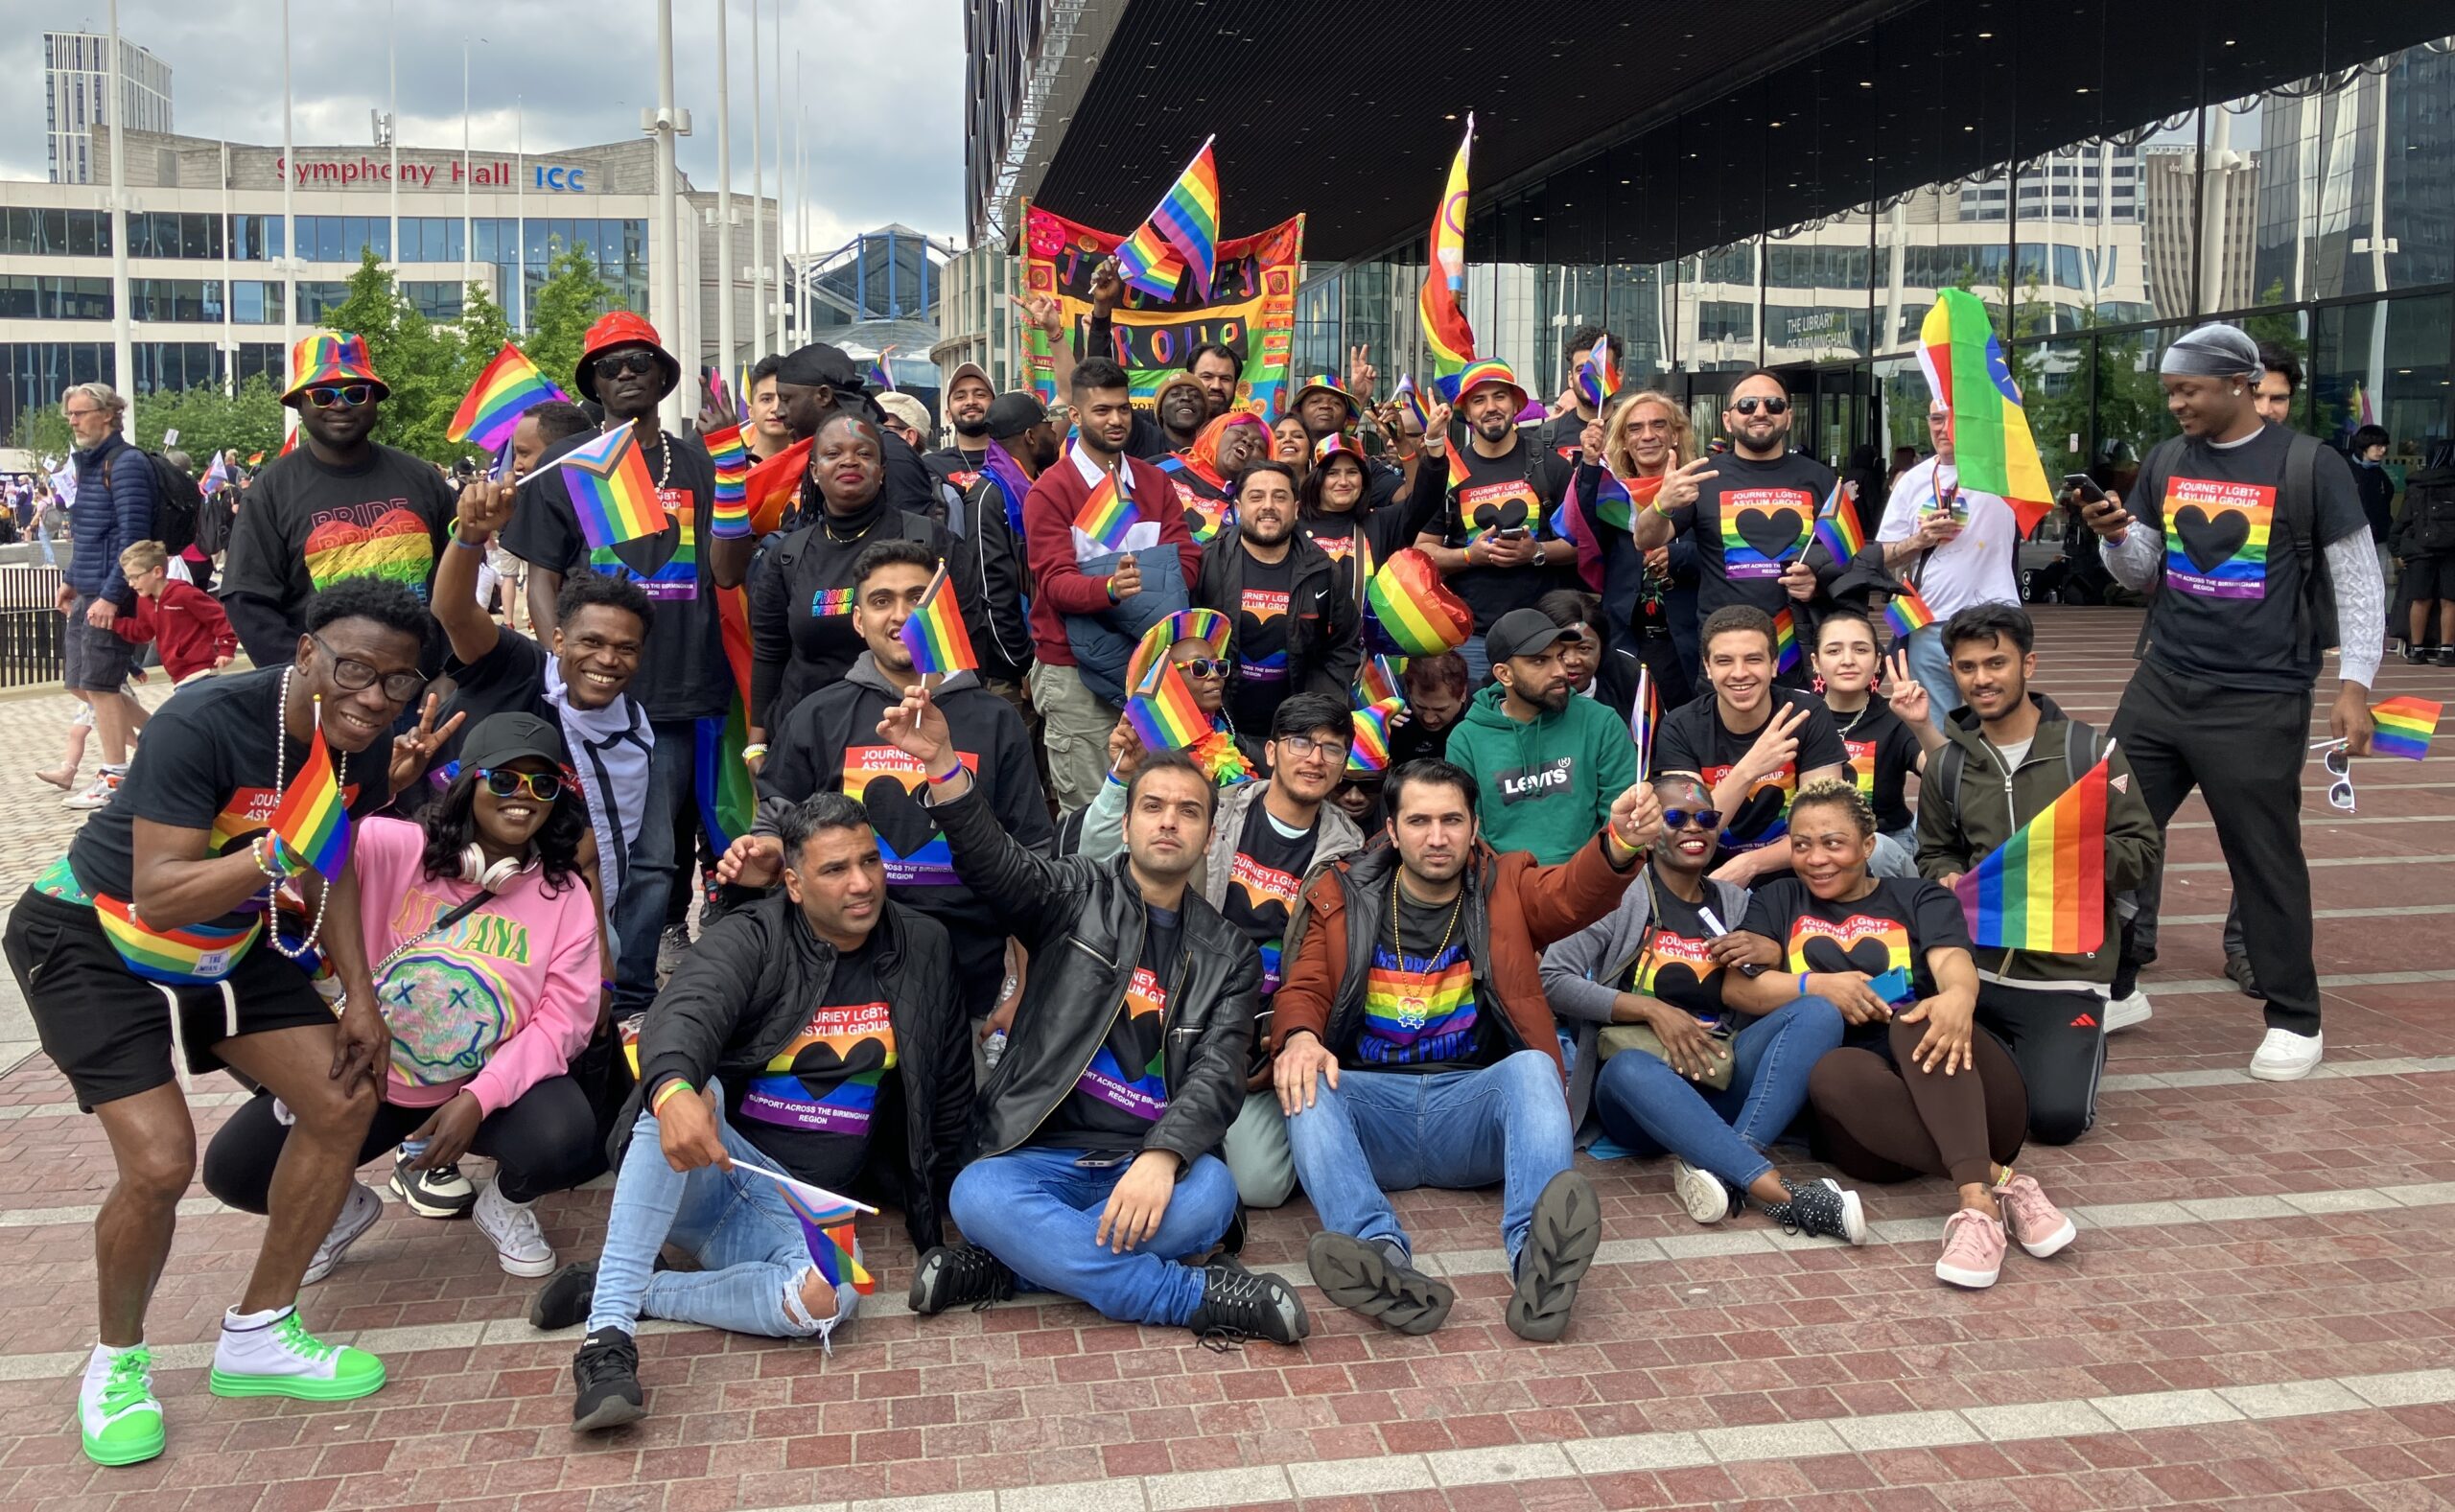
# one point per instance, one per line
(519, 1245)
(358, 1213)
(2287, 1057)
(2123, 1012)
(96, 795)
(1701, 1193)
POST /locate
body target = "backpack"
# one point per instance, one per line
(2296, 522)
(174, 505)
(1949, 767)
(2429, 512)
(215, 513)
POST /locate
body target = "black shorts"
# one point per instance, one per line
(95, 661)
(108, 1030)
(2428, 577)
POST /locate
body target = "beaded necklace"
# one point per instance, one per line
(280, 775)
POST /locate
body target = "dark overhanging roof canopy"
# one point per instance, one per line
(1350, 110)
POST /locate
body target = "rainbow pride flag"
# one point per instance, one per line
(1908, 613)
(1597, 376)
(1992, 448)
(2044, 889)
(611, 491)
(1785, 640)
(1368, 752)
(1380, 681)
(1162, 710)
(881, 377)
(256, 458)
(2405, 726)
(1836, 526)
(827, 1223)
(1644, 716)
(311, 822)
(1443, 304)
(1107, 514)
(775, 485)
(935, 633)
(1412, 403)
(509, 387)
(1182, 233)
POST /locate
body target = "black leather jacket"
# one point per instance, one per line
(1084, 924)
(748, 986)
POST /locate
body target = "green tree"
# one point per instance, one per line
(40, 429)
(417, 360)
(568, 303)
(208, 420)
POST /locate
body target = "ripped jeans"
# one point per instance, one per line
(751, 1251)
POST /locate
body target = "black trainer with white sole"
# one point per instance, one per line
(564, 1300)
(440, 1193)
(1237, 1305)
(1822, 1208)
(959, 1275)
(1558, 1251)
(607, 1373)
(1363, 1278)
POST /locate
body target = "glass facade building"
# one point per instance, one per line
(1805, 220)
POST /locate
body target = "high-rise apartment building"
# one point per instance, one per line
(77, 83)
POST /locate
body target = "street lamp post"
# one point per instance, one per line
(727, 272)
(123, 337)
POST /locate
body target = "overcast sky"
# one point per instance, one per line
(883, 83)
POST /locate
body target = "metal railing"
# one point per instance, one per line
(30, 645)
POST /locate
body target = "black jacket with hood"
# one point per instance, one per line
(1324, 644)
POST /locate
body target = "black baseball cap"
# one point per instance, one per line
(1014, 412)
(501, 739)
(818, 365)
(1522, 632)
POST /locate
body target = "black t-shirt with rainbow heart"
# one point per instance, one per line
(1675, 967)
(1693, 738)
(1750, 520)
(1893, 927)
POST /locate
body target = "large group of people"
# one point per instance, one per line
(1072, 1001)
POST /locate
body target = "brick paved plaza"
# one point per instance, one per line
(2258, 1311)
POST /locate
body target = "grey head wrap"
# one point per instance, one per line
(2213, 351)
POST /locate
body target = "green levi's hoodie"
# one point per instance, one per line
(1544, 787)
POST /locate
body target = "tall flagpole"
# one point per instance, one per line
(519, 216)
(801, 200)
(779, 176)
(757, 206)
(727, 273)
(468, 180)
(123, 335)
(667, 256)
(289, 230)
(392, 119)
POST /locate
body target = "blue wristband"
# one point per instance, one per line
(1802, 983)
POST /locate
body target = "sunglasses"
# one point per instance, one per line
(1701, 818)
(340, 396)
(1775, 406)
(355, 676)
(2337, 758)
(619, 364)
(1204, 666)
(502, 782)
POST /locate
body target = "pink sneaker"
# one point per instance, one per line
(1973, 1250)
(2042, 1228)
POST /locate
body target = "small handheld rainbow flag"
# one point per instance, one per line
(255, 458)
(1644, 716)
(1836, 526)
(1107, 514)
(1785, 640)
(1457, 473)
(881, 377)
(509, 388)
(1163, 713)
(775, 485)
(2405, 724)
(611, 491)
(1412, 403)
(1908, 613)
(1182, 233)
(935, 633)
(826, 1225)
(1380, 681)
(1597, 376)
(310, 821)
(2044, 888)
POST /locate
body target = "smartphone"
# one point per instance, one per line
(2084, 486)
(1517, 533)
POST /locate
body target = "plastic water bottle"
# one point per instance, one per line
(994, 1049)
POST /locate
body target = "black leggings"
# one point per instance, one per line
(1885, 1120)
(2058, 1040)
(544, 1142)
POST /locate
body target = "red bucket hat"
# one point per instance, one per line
(620, 328)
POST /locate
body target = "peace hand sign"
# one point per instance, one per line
(1907, 694)
(1361, 374)
(412, 753)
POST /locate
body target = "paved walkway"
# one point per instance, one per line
(2259, 1311)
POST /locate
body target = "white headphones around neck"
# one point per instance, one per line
(493, 879)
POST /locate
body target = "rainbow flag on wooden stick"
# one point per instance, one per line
(2405, 724)
(1182, 233)
(935, 633)
(311, 821)
(1992, 448)
(1597, 376)
(1443, 304)
(509, 388)
(611, 491)
(2044, 889)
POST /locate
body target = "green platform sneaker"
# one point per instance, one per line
(120, 1420)
(281, 1358)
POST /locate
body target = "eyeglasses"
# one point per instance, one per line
(2337, 758)
(618, 364)
(79, 414)
(1204, 666)
(1775, 406)
(502, 782)
(1299, 748)
(355, 676)
(1701, 817)
(340, 396)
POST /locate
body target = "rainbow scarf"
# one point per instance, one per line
(729, 510)
(2044, 888)
(509, 387)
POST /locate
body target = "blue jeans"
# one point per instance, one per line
(1932, 668)
(1384, 1132)
(638, 910)
(1896, 854)
(1039, 1212)
(1646, 1106)
(753, 1255)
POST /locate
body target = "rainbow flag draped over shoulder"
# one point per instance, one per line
(1908, 613)
(2044, 889)
(1163, 713)
(1992, 448)
(1443, 308)
(1182, 233)
(509, 388)
(1836, 526)
(2406, 725)
(934, 633)
(311, 821)
(611, 491)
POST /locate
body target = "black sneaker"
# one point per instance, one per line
(607, 1371)
(440, 1193)
(1822, 1209)
(1363, 1278)
(564, 1300)
(1559, 1250)
(2419, 656)
(1232, 1242)
(2238, 968)
(959, 1275)
(2447, 656)
(1238, 1305)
